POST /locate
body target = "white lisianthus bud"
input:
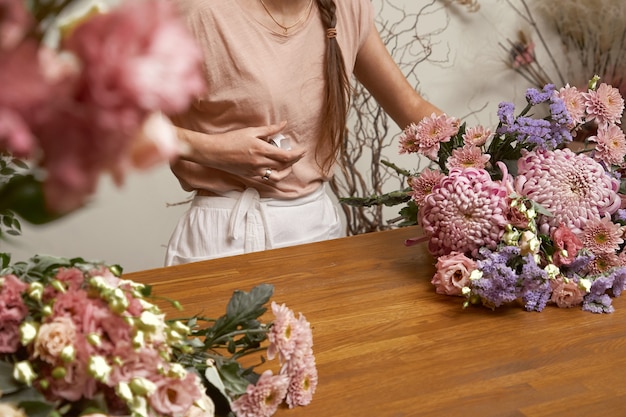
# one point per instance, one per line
(529, 243)
(139, 339)
(58, 285)
(150, 321)
(146, 305)
(180, 327)
(117, 300)
(476, 274)
(46, 310)
(68, 354)
(124, 392)
(585, 284)
(100, 283)
(99, 368)
(24, 373)
(59, 373)
(28, 332)
(511, 238)
(142, 386)
(466, 290)
(593, 83)
(178, 371)
(531, 213)
(35, 291)
(552, 270)
(94, 339)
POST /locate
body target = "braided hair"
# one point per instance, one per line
(337, 91)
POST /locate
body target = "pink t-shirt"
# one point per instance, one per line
(257, 77)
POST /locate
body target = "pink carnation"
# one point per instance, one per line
(453, 272)
(566, 245)
(466, 211)
(425, 137)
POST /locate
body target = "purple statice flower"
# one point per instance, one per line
(534, 96)
(620, 215)
(596, 303)
(619, 281)
(579, 263)
(505, 113)
(534, 286)
(498, 284)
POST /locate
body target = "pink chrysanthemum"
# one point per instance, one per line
(574, 188)
(469, 156)
(611, 145)
(602, 235)
(282, 335)
(574, 103)
(423, 184)
(602, 263)
(466, 211)
(302, 380)
(262, 399)
(476, 135)
(425, 137)
(604, 105)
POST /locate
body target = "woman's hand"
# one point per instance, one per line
(244, 152)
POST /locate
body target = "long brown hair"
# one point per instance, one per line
(337, 92)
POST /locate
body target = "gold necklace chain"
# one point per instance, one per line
(283, 27)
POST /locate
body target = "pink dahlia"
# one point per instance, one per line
(602, 235)
(604, 105)
(476, 135)
(466, 157)
(611, 145)
(466, 211)
(573, 187)
(425, 137)
(423, 184)
(574, 103)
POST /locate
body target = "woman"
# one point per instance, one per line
(275, 66)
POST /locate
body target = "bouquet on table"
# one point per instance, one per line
(514, 215)
(76, 339)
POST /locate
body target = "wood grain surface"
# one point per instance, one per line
(387, 345)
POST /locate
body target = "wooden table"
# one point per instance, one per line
(387, 345)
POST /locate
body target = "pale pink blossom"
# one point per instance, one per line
(9, 336)
(303, 378)
(603, 262)
(12, 307)
(282, 334)
(15, 23)
(204, 407)
(9, 410)
(76, 384)
(611, 145)
(602, 235)
(53, 337)
(262, 399)
(574, 103)
(466, 157)
(174, 396)
(604, 105)
(423, 184)
(566, 293)
(566, 245)
(467, 210)
(426, 136)
(477, 135)
(453, 272)
(574, 188)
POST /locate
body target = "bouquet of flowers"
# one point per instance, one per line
(514, 215)
(77, 339)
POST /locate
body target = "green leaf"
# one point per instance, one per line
(8, 385)
(245, 306)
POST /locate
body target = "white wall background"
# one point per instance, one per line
(131, 225)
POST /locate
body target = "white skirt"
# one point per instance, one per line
(242, 222)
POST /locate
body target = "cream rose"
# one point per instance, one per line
(453, 272)
(53, 337)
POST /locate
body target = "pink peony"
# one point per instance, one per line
(453, 272)
(466, 211)
(262, 399)
(175, 396)
(611, 145)
(469, 156)
(566, 294)
(566, 245)
(604, 105)
(425, 137)
(573, 187)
